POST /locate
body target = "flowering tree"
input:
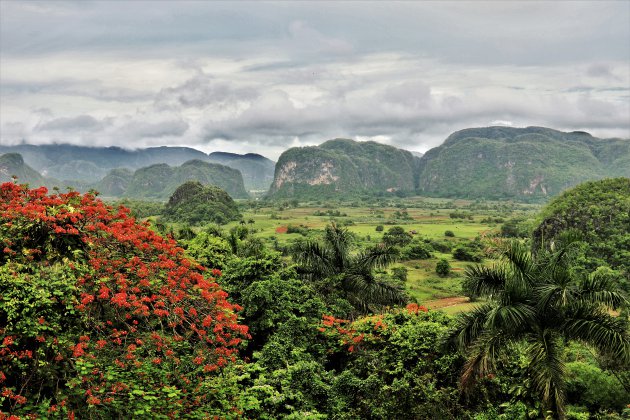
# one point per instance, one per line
(101, 317)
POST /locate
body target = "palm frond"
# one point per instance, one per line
(515, 317)
(592, 324)
(313, 259)
(339, 241)
(468, 327)
(364, 290)
(553, 297)
(547, 370)
(379, 256)
(484, 281)
(602, 290)
(482, 358)
(520, 267)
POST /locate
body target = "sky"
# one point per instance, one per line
(265, 76)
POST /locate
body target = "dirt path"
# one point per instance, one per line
(445, 302)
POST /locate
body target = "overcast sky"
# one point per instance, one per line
(262, 77)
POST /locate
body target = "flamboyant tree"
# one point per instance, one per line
(102, 317)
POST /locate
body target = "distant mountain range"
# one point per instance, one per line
(257, 170)
(530, 163)
(84, 165)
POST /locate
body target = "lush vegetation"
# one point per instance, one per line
(348, 307)
(100, 317)
(600, 212)
(194, 203)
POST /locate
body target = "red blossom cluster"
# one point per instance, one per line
(138, 297)
(348, 336)
(349, 333)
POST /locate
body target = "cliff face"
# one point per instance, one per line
(343, 166)
(519, 163)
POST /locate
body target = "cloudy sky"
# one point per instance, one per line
(262, 77)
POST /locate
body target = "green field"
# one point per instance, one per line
(423, 284)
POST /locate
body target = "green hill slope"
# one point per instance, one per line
(90, 164)
(257, 170)
(159, 181)
(12, 164)
(600, 211)
(519, 163)
(343, 166)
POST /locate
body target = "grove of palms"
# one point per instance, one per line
(538, 302)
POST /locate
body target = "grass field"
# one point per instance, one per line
(423, 284)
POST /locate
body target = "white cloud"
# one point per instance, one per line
(263, 77)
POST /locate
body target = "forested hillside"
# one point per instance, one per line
(160, 181)
(519, 163)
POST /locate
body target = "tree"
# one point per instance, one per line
(539, 303)
(396, 235)
(334, 268)
(443, 268)
(100, 317)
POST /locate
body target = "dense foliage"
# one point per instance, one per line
(100, 317)
(600, 212)
(538, 302)
(331, 330)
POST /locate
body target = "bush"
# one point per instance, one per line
(302, 230)
(443, 268)
(415, 251)
(449, 233)
(464, 253)
(379, 228)
(441, 246)
(397, 236)
(101, 317)
(400, 273)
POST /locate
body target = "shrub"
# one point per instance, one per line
(396, 235)
(400, 273)
(415, 251)
(449, 233)
(379, 228)
(464, 253)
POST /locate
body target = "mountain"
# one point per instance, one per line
(12, 164)
(257, 170)
(115, 183)
(343, 166)
(519, 163)
(161, 180)
(90, 164)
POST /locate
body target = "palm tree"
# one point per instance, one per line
(332, 267)
(540, 303)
